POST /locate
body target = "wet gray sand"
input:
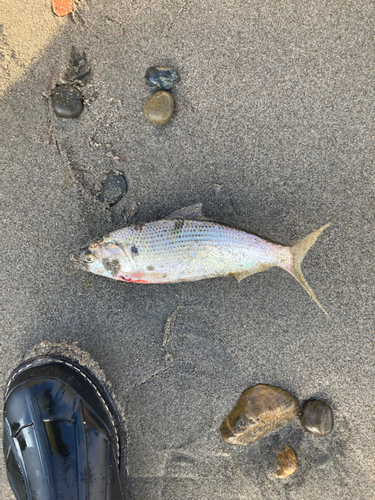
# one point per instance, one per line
(273, 132)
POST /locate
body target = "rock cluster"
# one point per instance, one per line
(264, 408)
(159, 107)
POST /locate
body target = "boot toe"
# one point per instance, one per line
(61, 437)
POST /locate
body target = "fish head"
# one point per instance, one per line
(104, 258)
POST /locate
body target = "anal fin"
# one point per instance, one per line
(254, 270)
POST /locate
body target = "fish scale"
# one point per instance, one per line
(184, 247)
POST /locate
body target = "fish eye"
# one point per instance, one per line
(89, 257)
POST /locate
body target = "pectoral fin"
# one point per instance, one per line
(193, 213)
(254, 270)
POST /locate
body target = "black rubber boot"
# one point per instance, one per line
(61, 439)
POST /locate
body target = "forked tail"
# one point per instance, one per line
(299, 250)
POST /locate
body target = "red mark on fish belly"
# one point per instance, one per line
(131, 279)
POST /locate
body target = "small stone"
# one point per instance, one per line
(159, 108)
(114, 188)
(260, 410)
(317, 417)
(67, 101)
(158, 78)
(62, 8)
(286, 462)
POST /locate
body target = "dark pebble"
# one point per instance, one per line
(161, 78)
(67, 101)
(317, 417)
(114, 188)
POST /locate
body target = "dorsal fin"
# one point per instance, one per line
(193, 213)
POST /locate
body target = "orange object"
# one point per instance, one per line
(62, 7)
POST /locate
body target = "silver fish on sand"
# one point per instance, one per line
(185, 247)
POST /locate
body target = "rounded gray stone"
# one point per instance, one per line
(67, 101)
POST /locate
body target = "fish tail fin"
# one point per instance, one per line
(299, 250)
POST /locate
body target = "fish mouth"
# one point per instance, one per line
(77, 263)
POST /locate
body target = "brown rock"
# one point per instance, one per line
(286, 462)
(159, 108)
(259, 410)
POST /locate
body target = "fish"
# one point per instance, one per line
(187, 247)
